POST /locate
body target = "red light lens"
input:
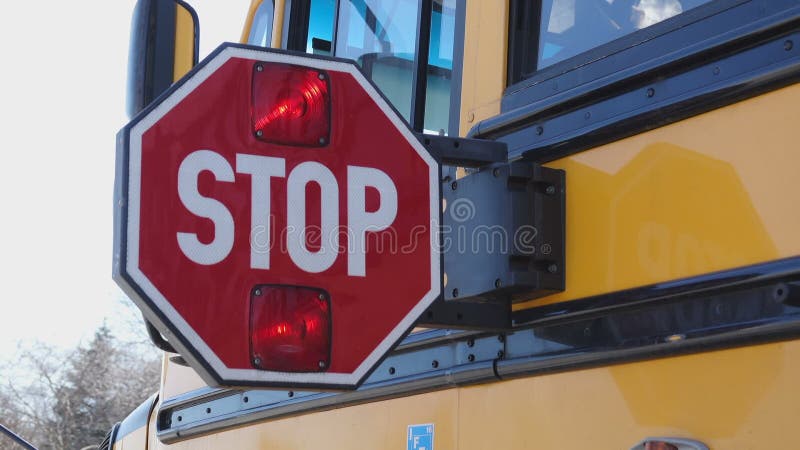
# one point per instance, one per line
(290, 329)
(290, 105)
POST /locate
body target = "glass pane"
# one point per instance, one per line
(379, 35)
(261, 29)
(570, 27)
(320, 27)
(440, 66)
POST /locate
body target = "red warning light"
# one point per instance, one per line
(290, 329)
(290, 105)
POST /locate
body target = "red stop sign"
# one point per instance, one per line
(211, 214)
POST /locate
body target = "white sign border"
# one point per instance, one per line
(254, 376)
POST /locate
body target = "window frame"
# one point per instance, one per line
(524, 38)
(671, 70)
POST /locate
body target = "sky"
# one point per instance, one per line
(62, 101)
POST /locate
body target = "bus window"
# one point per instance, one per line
(380, 36)
(544, 33)
(570, 27)
(261, 29)
(440, 67)
(320, 27)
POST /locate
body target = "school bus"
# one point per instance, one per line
(677, 125)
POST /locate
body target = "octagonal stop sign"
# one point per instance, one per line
(277, 220)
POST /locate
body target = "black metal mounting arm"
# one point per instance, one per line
(503, 235)
(464, 152)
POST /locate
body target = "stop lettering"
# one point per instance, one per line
(262, 169)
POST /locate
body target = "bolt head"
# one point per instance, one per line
(550, 190)
(552, 268)
(322, 364)
(257, 292)
(259, 68)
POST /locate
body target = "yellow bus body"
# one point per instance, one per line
(708, 193)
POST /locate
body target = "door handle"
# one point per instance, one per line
(663, 443)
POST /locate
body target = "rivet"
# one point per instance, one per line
(470, 117)
(471, 357)
(675, 338)
(321, 76)
(291, 393)
(321, 296)
(208, 410)
(455, 292)
(454, 185)
(552, 268)
(322, 364)
(471, 343)
(501, 338)
(716, 70)
(587, 115)
(322, 141)
(500, 354)
(788, 45)
(245, 399)
(539, 131)
(550, 190)
(257, 361)
(651, 92)
(391, 370)
(496, 172)
(259, 133)
(435, 364)
(498, 283)
(257, 292)
(259, 68)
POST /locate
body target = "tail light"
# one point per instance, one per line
(291, 105)
(290, 329)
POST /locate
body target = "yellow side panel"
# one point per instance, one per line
(736, 399)
(135, 440)
(184, 44)
(745, 398)
(371, 426)
(484, 62)
(177, 379)
(708, 193)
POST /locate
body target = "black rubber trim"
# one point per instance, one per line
(677, 289)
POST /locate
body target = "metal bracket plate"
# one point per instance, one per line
(503, 234)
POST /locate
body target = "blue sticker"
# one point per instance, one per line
(420, 437)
